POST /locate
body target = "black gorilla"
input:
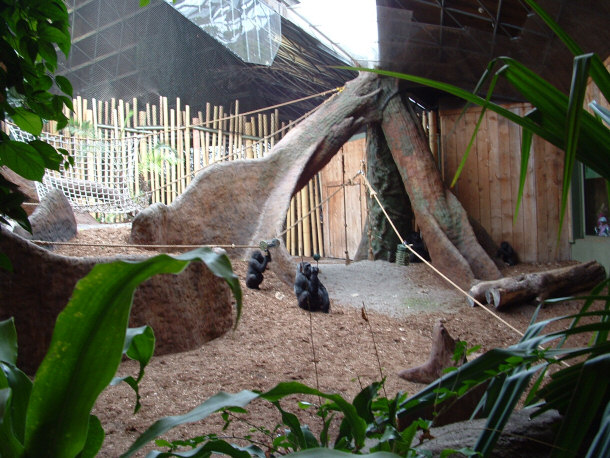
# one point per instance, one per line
(318, 296)
(417, 244)
(309, 290)
(508, 254)
(256, 267)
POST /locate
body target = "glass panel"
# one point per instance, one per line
(248, 28)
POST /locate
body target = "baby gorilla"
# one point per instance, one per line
(256, 267)
(309, 290)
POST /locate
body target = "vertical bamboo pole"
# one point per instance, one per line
(253, 143)
(208, 142)
(299, 225)
(265, 134)
(306, 221)
(215, 135)
(135, 185)
(172, 167)
(240, 139)
(165, 192)
(180, 153)
(221, 137)
(293, 214)
(248, 142)
(231, 134)
(317, 193)
(314, 232)
(187, 145)
(238, 132)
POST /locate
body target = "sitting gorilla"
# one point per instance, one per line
(508, 254)
(310, 292)
(256, 267)
(318, 296)
(417, 244)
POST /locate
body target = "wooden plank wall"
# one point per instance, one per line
(489, 183)
(344, 212)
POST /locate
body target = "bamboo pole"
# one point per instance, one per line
(293, 214)
(135, 185)
(208, 120)
(180, 153)
(314, 232)
(249, 149)
(172, 166)
(265, 133)
(187, 145)
(164, 116)
(318, 211)
(238, 131)
(306, 234)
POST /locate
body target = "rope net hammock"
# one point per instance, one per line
(101, 179)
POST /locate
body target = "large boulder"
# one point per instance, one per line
(522, 435)
(184, 310)
(52, 221)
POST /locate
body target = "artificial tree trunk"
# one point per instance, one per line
(451, 242)
(379, 240)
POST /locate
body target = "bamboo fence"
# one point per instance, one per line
(175, 143)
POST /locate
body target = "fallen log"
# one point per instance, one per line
(441, 357)
(538, 286)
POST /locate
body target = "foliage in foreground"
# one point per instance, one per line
(51, 416)
(30, 31)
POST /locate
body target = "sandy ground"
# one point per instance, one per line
(276, 341)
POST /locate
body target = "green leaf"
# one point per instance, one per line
(510, 393)
(86, 350)
(52, 34)
(23, 159)
(330, 453)
(580, 76)
(9, 445)
(600, 446)
(64, 84)
(8, 341)
(590, 390)
(140, 344)
(5, 263)
(95, 438)
(28, 121)
(219, 401)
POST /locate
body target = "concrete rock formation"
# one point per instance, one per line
(185, 310)
(52, 221)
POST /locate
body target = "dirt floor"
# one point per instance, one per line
(276, 341)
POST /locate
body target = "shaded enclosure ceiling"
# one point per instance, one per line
(453, 40)
(123, 51)
(120, 50)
